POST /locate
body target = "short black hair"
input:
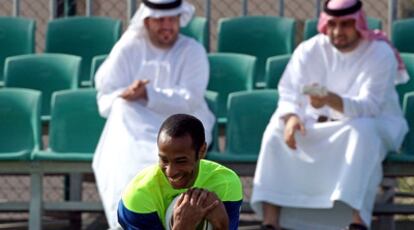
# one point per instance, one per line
(180, 125)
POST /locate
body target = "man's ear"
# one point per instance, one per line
(146, 23)
(203, 150)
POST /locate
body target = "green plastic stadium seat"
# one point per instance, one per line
(19, 123)
(229, 73)
(402, 89)
(259, 36)
(44, 72)
(406, 155)
(17, 36)
(211, 99)
(249, 113)
(86, 37)
(311, 29)
(96, 63)
(402, 35)
(399, 165)
(275, 66)
(197, 29)
(75, 126)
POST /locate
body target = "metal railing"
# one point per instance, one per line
(392, 6)
(44, 10)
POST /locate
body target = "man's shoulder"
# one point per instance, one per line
(377, 53)
(185, 42)
(217, 169)
(140, 190)
(314, 45)
(221, 180)
(145, 178)
(128, 42)
(380, 47)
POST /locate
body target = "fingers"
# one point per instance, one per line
(290, 137)
(136, 90)
(184, 198)
(302, 129)
(203, 197)
(142, 83)
(195, 194)
(137, 84)
(211, 206)
(180, 200)
(198, 196)
(293, 124)
(290, 141)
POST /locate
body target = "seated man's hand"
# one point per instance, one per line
(292, 124)
(318, 102)
(191, 208)
(136, 91)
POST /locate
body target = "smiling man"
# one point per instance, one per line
(338, 114)
(206, 190)
(152, 72)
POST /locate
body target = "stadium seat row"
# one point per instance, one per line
(259, 36)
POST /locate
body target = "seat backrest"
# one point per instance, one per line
(44, 72)
(248, 115)
(86, 37)
(229, 72)
(20, 121)
(275, 66)
(402, 89)
(259, 36)
(408, 107)
(212, 103)
(197, 29)
(403, 35)
(75, 124)
(311, 25)
(96, 63)
(17, 36)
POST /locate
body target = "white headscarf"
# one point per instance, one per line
(353, 10)
(185, 10)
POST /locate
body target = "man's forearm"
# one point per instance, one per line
(219, 218)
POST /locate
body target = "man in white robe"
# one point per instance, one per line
(338, 115)
(150, 74)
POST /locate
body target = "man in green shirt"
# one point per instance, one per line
(207, 190)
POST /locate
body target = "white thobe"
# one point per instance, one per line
(337, 165)
(178, 78)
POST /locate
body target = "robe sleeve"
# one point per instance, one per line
(377, 84)
(113, 76)
(291, 100)
(188, 92)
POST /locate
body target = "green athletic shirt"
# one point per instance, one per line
(147, 197)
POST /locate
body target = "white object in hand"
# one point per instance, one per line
(315, 90)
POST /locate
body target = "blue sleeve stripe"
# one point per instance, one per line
(233, 211)
(138, 221)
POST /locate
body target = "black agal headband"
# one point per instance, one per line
(342, 12)
(162, 6)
